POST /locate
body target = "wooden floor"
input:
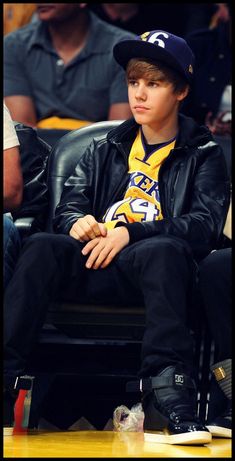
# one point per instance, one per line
(104, 444)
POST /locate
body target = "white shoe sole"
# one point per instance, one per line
(187, 438)
(219, 431)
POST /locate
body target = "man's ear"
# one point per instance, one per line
(183, 93)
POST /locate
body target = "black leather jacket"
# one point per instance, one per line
(193, 186)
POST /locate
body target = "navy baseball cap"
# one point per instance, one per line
(157, 45)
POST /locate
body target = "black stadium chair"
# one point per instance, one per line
(51, 135)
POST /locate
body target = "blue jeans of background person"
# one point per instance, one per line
(11, 247)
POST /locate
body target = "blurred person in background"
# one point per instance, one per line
(209, 101)
(139, 17)
(59, 71)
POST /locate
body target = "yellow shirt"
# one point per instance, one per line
(58, 123)
(141, 201)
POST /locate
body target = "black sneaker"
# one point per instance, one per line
(168, 403)
(221, 426)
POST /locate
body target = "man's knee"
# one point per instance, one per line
(215, 264)
(46, 238)
(154, 252)
(163, 245)
(45, 245)
(39, 240)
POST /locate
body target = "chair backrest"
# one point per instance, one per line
(64, 157)
(51, 135)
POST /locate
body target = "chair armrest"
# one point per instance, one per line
(24, 226)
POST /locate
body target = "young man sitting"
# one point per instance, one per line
(143, 205)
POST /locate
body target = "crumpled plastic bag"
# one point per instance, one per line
(128, 420)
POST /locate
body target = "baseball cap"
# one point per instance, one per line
(157, 45)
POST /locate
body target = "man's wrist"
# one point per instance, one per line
(136, 230)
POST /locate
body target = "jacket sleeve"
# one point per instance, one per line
(76, 197)
(203, 216)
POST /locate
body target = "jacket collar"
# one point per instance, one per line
(190, 133)
(127, 131)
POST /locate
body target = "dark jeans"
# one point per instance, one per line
(11, 248)
(215, 284)
(156, 271)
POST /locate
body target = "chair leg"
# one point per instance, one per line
(22, 407)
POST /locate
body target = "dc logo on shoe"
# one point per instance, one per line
(153, 38)
(179, 380)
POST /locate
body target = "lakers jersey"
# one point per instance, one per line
(141, 201)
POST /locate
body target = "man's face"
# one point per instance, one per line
(58, 12)
(152, 101)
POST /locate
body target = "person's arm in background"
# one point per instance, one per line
(221, 15)
(12, 173)
(17, 92)
(22, 109)
(12, 179)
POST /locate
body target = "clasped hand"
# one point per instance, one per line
(103, 245)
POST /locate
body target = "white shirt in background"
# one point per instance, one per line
(10, 138)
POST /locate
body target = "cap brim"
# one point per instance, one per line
(128, 49)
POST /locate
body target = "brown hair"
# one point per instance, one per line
(138, 68)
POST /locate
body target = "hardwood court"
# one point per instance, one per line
(104, 444)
